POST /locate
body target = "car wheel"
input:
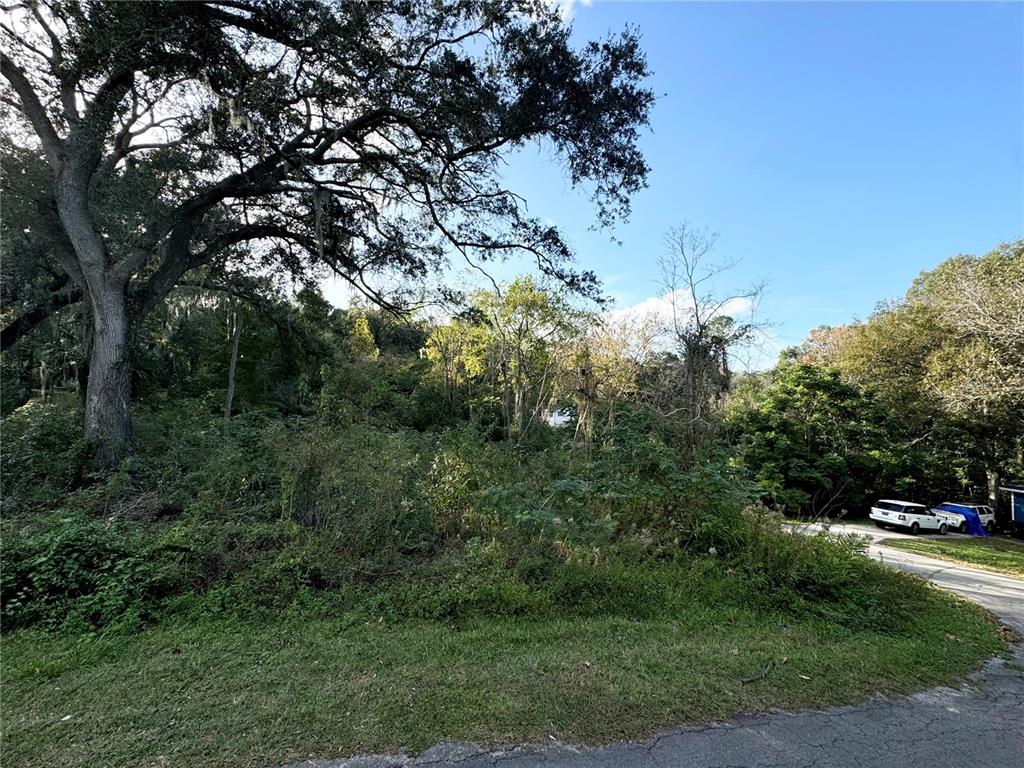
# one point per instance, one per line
(963, 527)
(942, 529)
(880, 525)
(914, 528)
(990, 526)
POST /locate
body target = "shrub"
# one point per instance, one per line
(364, 488)
(78, 573)
(822, 576)
(42, 455)
(488, 579)
(402, 523)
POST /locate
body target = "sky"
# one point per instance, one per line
(839, 149)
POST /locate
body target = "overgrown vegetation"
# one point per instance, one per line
(434, 477)
(507, 487)
(400, 523)
(412, 470)
(368, 476)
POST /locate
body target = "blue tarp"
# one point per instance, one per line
(974, 526)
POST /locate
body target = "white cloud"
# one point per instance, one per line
(660, 308)
(567, 8)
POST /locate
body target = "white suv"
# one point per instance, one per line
(914, 517)
(959, 521)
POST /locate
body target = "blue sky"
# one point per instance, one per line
(839, 148)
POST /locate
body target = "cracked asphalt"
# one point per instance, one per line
(980, 725)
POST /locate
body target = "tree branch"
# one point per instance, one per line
(25, 322)
(53, 146)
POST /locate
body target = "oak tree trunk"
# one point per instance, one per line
(108, 425)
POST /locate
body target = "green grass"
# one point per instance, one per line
(1000, 555)
(229, 693)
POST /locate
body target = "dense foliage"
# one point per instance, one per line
(378, 466)
(175, 193)
(923, 400)
(814, 441)
(521, 457)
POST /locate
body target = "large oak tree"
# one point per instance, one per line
(290, 135)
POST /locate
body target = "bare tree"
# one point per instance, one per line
(702, 327)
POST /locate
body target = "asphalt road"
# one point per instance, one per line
(978, 726)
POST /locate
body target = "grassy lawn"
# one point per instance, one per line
(244, 694)
(1001, 555)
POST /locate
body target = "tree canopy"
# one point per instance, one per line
(167, 140)
(932, 402)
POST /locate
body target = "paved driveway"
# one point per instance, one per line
(978, 726)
